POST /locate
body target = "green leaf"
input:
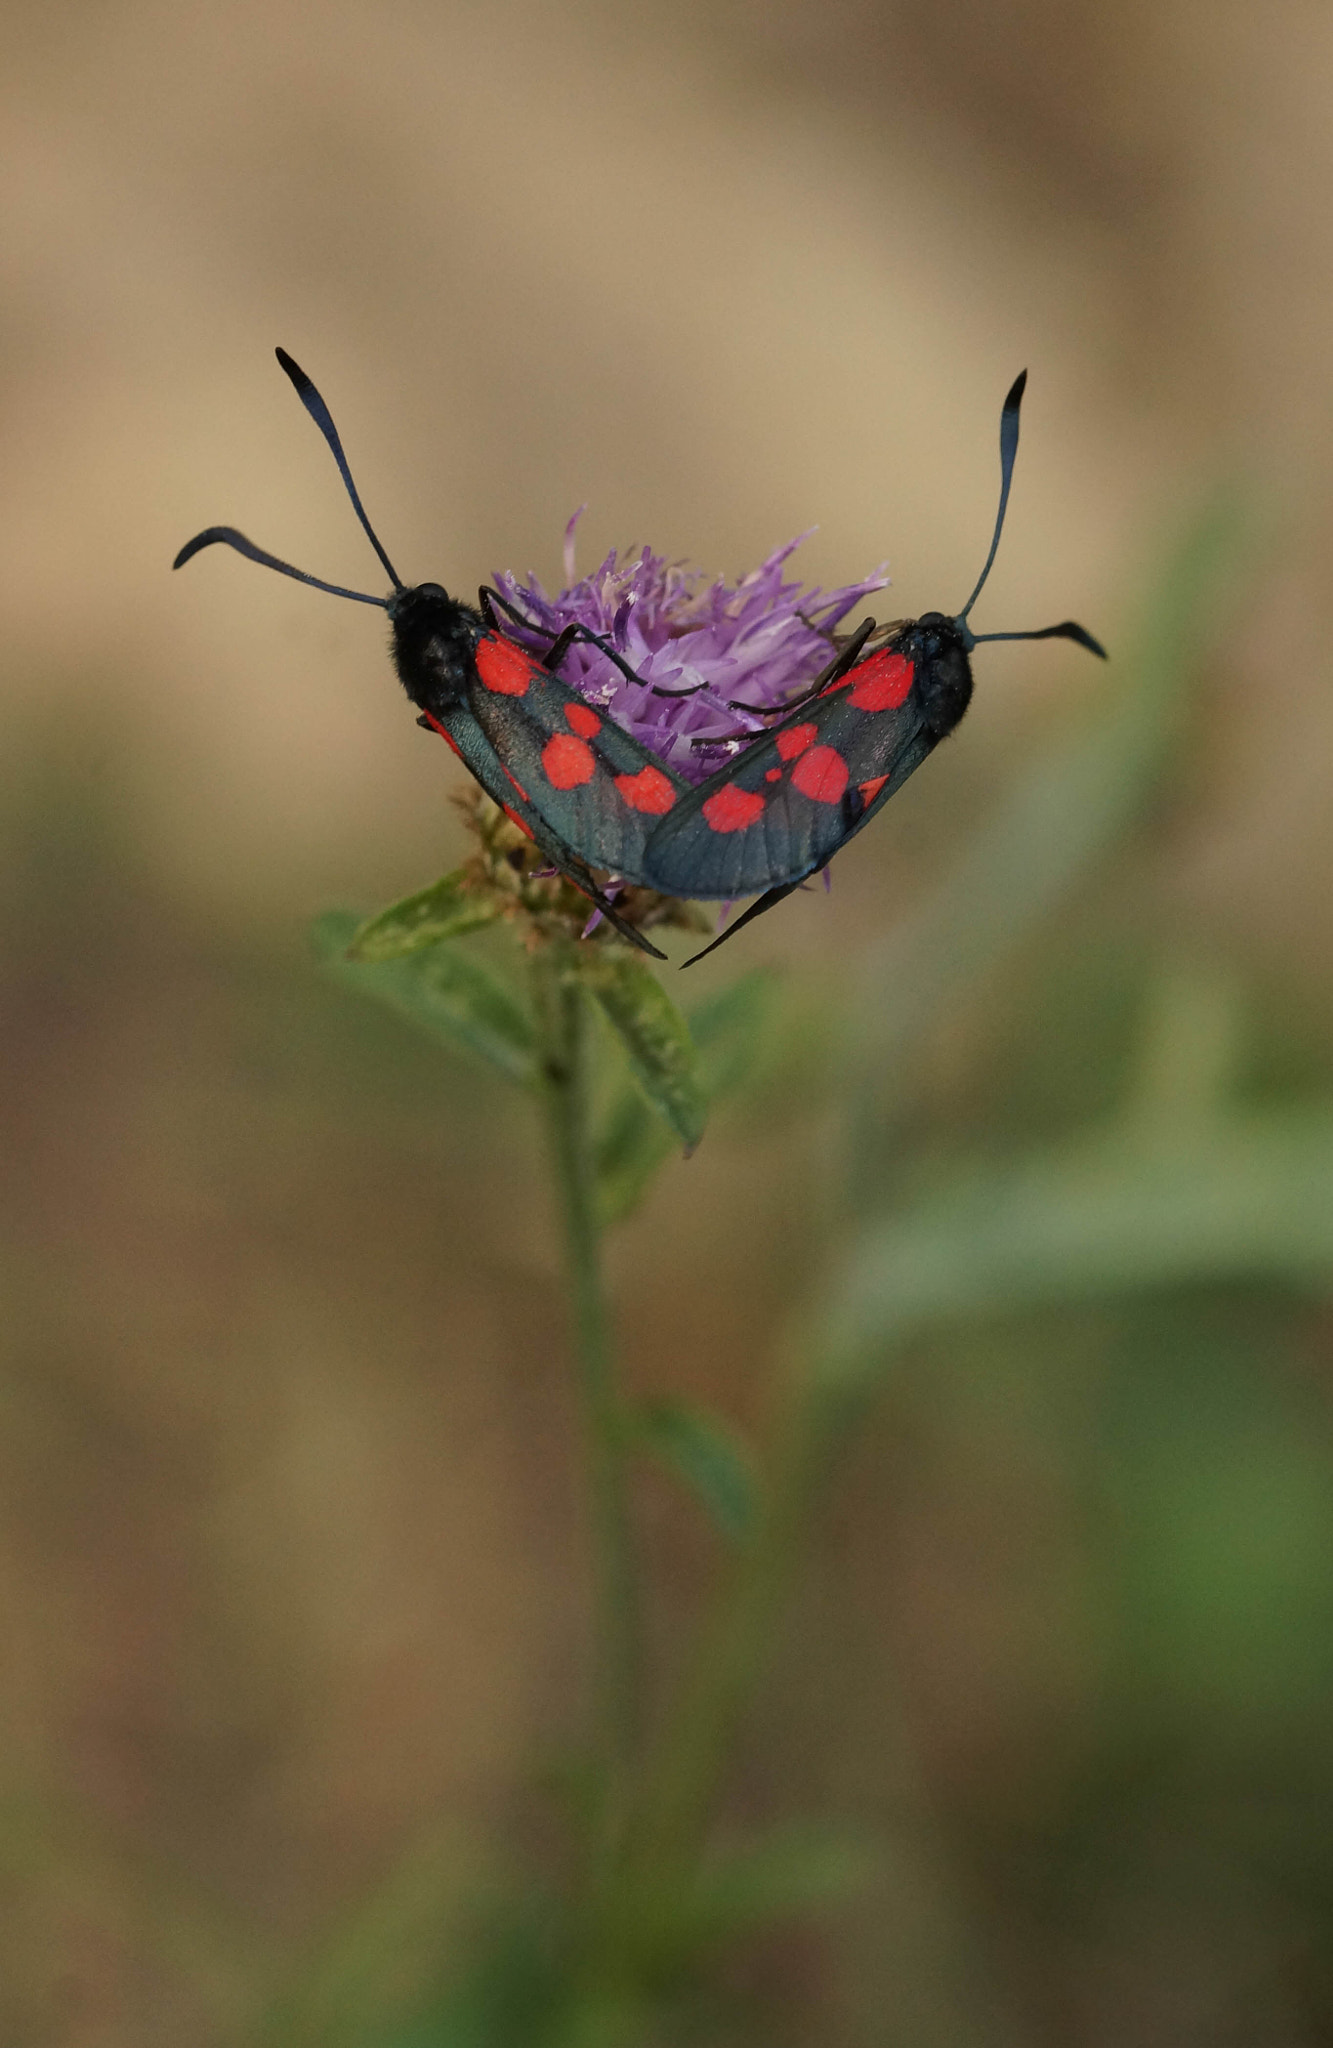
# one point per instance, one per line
(445, 992)
(633, 1144)
(706, 1453)
(444, 911)
(1249, 1198)
(654, 1035)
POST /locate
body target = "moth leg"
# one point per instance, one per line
(577, 632)
(826, 678)
(487, 599)
(558, 649)
(560, 646)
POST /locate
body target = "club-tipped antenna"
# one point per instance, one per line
(1008, 450)
(323, 419)
(1068, 629)
(232, 539)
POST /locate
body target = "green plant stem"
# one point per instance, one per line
(681, 1781)
(564, 1025)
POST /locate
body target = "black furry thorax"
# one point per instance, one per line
(434, 644)
(938, 649)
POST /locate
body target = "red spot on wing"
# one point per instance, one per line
(821, 775)
(870, 790)
(568, 762)
(772, 775)
(504, 668)
(730, 809)
(882, 683)
(582, 719)
(650, 790)
(795, 740)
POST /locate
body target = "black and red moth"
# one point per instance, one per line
(581, 787)
(778, 812)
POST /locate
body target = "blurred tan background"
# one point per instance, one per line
(292, 1577)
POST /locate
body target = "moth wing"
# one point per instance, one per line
(477, 754)
(594, 784)
(781, 810)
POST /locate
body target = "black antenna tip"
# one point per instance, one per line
(1068, 629)
(1083, 638)
(200, 541)
(294, 371)
(1012, 401)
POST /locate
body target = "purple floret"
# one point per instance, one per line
(758, 643)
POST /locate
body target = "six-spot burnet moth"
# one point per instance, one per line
(780, 810)
(592, 796)
(585, 791)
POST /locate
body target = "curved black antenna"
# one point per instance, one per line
(233, 539)
(1008, 450)
(323, 419)
(1066, 630)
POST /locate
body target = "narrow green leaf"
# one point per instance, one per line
(445, 992)
(655, 1037)
(706, 1453)
(444, 911)
(633, 1143)
(1250, 1198)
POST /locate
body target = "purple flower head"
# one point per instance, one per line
(733, 652)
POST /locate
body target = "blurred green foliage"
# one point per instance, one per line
(1016, 1652)
(1102, 1280)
